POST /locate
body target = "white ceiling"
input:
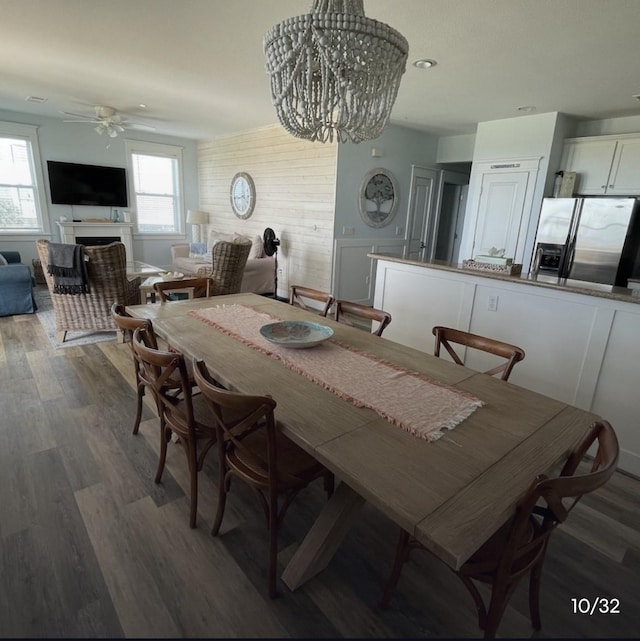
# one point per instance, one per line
(198, 65)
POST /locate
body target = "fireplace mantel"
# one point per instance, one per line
(69, 231)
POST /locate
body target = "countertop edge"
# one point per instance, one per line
(614, 293)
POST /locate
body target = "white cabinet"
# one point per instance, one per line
(624, 179)
(605, 164)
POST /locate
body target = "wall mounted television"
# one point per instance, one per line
(75, 184)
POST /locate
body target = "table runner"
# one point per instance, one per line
(408, 399)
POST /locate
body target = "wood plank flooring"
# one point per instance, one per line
(92, 547)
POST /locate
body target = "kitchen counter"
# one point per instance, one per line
(580, 339)
(541, 280)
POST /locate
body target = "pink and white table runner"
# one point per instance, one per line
(408, 399)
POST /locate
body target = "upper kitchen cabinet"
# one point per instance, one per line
(604, 164)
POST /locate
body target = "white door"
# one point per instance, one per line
(500, 212)
(421, 223)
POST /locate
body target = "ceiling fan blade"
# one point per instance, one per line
(86, 121)
(75, 115)
(137, 125)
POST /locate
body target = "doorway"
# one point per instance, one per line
(436, 214)
(421, 219)
(453, 203)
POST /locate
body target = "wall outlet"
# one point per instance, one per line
(493, 303)
(348, 231)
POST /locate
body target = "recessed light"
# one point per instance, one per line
(425, 63)
(36, 99)
(527, 108)
(142, 106)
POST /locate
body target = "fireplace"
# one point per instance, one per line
(96, 240)
(98, 234)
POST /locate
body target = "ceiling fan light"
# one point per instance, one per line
(112, 132)
(99, 129)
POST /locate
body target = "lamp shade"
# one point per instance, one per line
(196, 217)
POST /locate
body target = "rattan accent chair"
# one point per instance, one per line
(519, 547)
(107, 271)
(229, 261)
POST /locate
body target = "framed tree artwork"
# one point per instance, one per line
(378, 199)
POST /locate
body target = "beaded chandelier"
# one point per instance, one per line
(334, 72)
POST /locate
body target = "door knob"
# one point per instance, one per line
(422, 245)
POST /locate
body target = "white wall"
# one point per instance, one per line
(456, 148)
(295, 196)
(400, 148)
(610, 126)
(79, 143)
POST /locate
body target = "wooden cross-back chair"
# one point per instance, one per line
(251, 448)
(201, 287)
(520, 546)
(511, 353)
(166, 374)
(346, 309)
(128, 324)
(298, 294)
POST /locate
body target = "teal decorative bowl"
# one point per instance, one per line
(296, 334)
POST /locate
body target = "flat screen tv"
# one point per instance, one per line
(74, 184)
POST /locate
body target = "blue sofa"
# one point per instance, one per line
(16, 286)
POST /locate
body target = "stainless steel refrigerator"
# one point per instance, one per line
(590, 239)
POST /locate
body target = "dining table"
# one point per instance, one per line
(452, 493)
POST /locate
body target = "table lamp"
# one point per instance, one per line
(197, 218)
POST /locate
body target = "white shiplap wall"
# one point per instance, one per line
(295, 195)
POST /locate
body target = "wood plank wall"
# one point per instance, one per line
(295, 196)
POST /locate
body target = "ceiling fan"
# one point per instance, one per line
(107, 120)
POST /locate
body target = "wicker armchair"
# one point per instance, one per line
(107, 269)
(229, 261)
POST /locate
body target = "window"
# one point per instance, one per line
(21, 202)
(156, 183)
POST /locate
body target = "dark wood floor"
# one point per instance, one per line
(91, 547)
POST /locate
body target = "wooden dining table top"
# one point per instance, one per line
(451, 494)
